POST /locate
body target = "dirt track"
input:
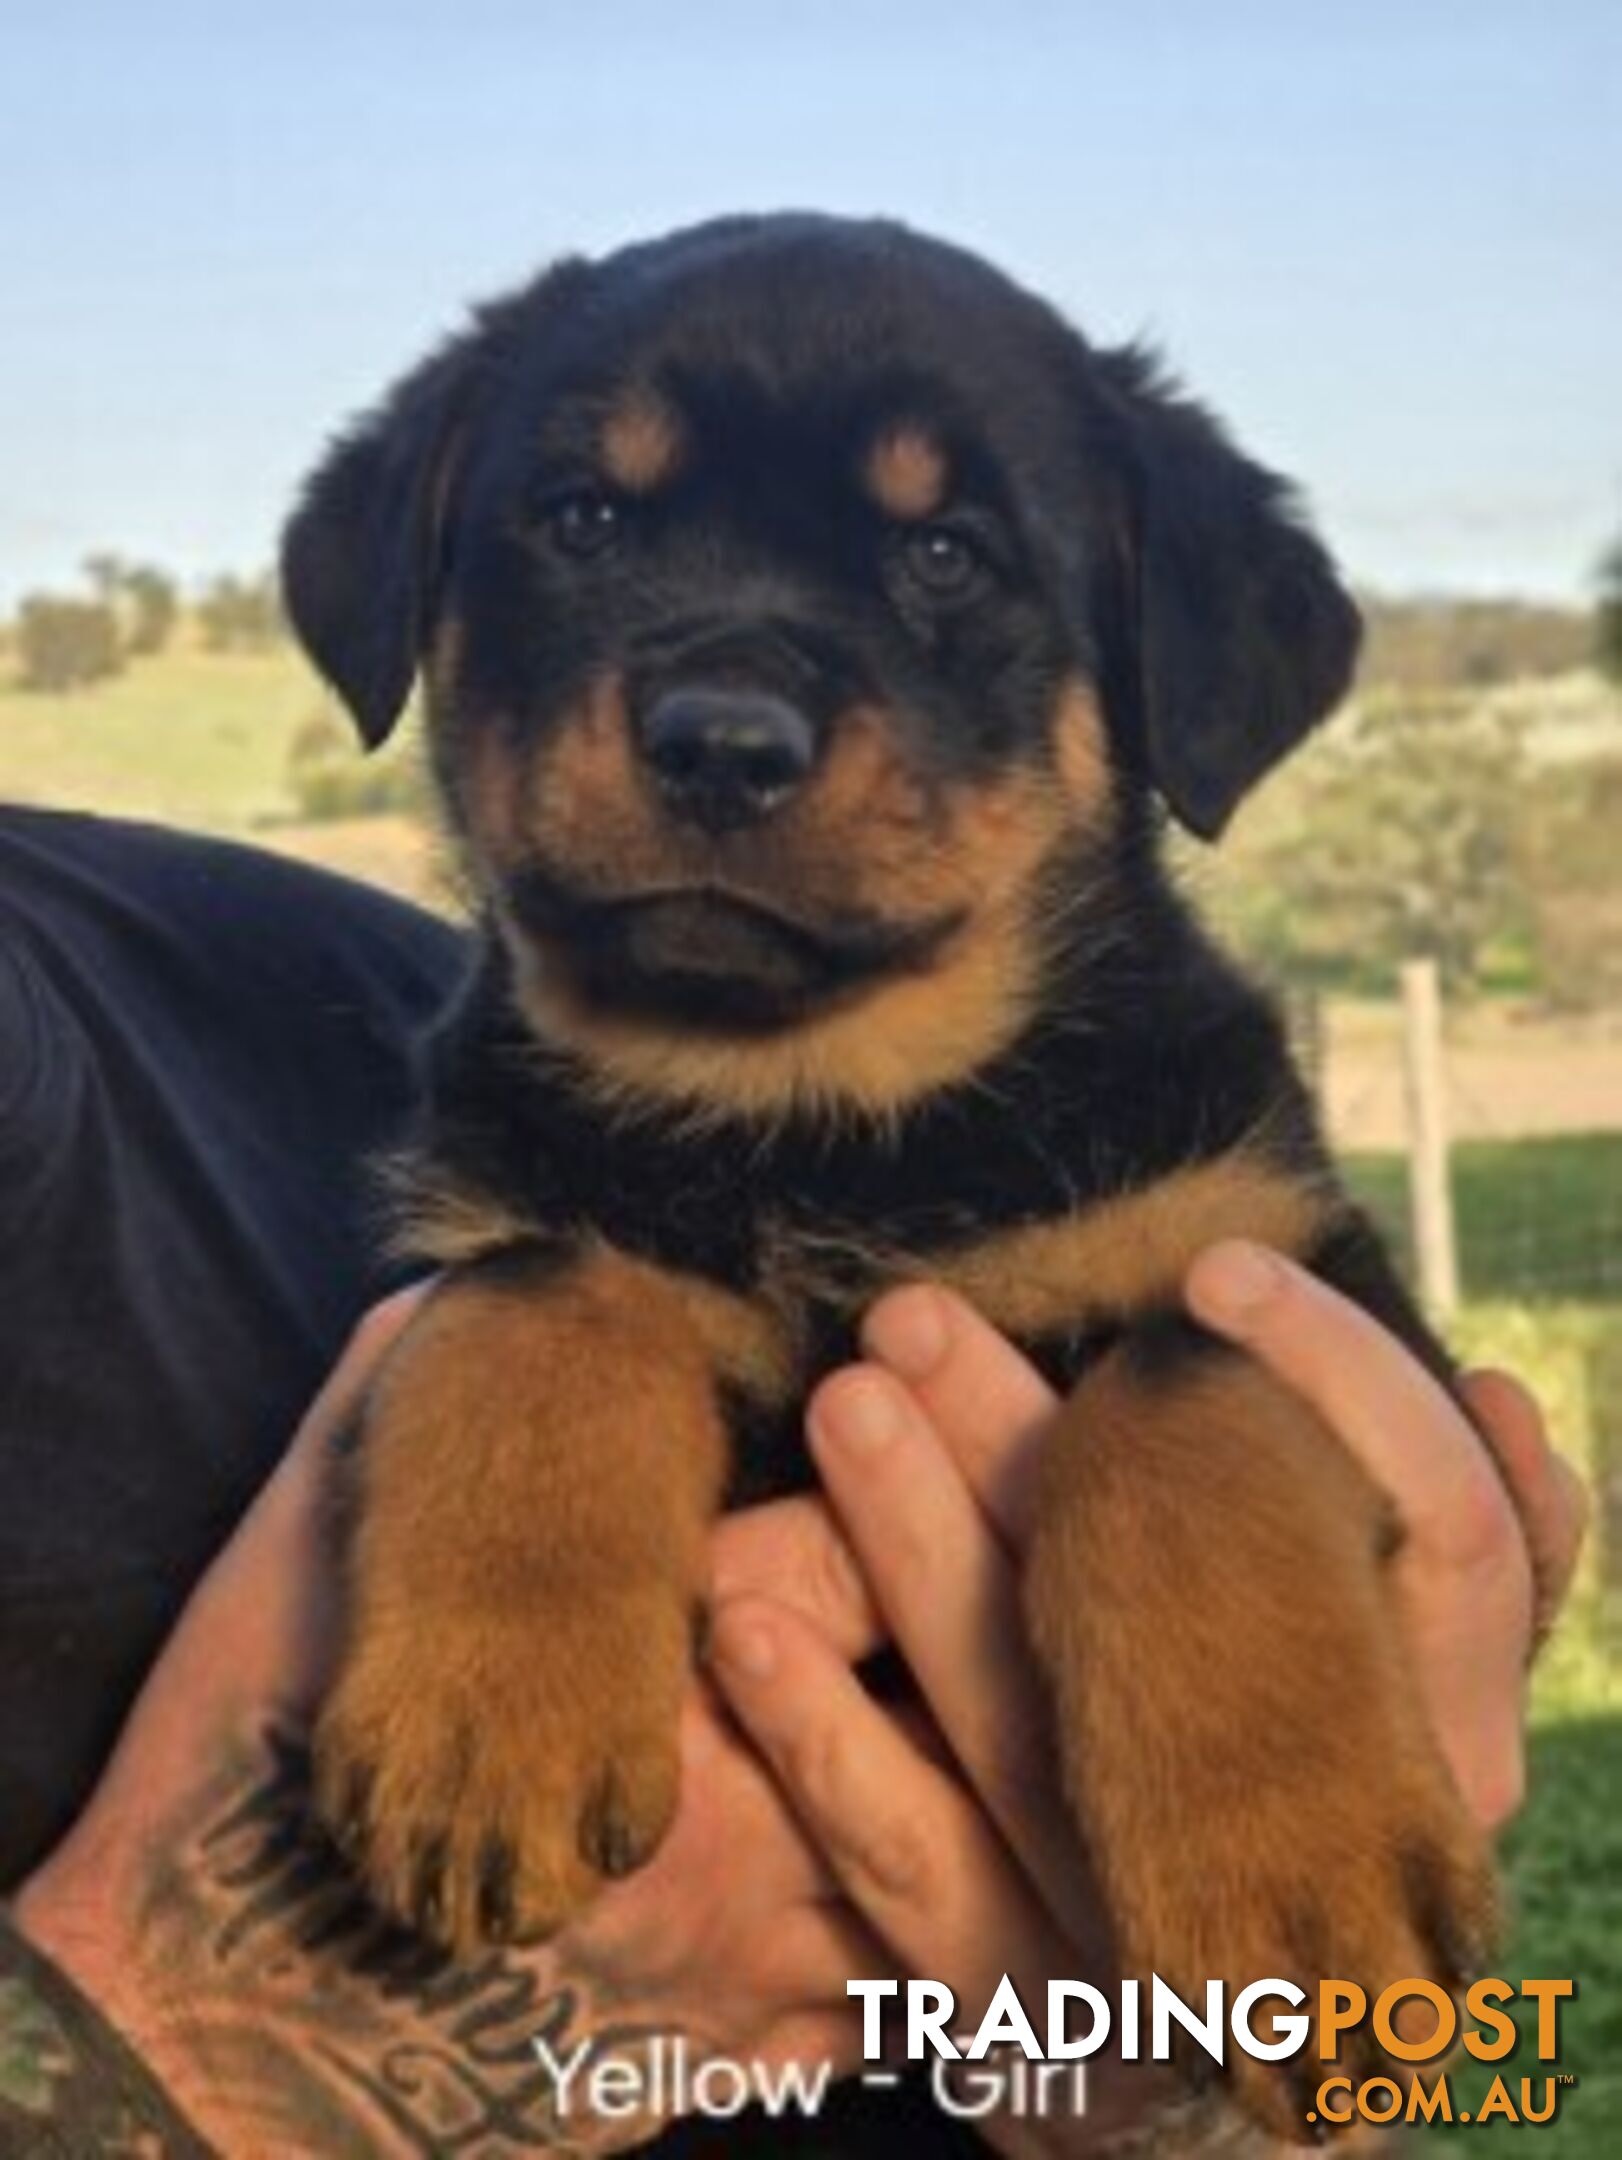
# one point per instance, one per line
(1507, 1078)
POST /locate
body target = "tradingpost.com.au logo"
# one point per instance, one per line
(1007, 2067)
(1256, 2023)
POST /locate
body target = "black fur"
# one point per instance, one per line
(1126, 541)
(1137, 540)
(1121, 541)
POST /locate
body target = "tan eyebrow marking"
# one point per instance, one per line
(641, 443)
(906, 472)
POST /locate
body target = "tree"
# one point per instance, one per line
(327, 776)
(1396, 839)
(240, 614)
(1428, 645)
(1569, 824)
(63, 644)
(104, 573)
(153, 606)
(1608, 615)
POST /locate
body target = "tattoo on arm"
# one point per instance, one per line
(289, 2016)
(69, 2086)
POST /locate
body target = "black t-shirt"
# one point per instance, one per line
(200, 1046)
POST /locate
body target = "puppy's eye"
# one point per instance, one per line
(945, 562)
(587, 521)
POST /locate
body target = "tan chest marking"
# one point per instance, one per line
(1099, 1266)
(1104, 1263)
(753, 1343)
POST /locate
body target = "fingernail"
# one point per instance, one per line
(1234, 1280)
(907, 1331)
(857, 1413)
(744, 1643)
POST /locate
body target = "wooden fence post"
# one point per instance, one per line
(1429, 1185)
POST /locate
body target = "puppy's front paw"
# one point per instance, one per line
(1240, 1728)
(487, 1771)
(1384, 1880)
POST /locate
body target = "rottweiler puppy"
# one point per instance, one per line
(815, 632)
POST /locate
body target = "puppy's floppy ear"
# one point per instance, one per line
(360, 553)
(1240, 635)
(363, 554)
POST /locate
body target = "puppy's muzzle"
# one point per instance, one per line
(724, 758)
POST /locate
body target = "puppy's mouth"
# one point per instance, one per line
(706, 958)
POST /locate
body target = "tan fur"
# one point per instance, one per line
(865, 833)
(1241, 1732)
(641, 443)
(867, 836)
(867, 1059)
(1081, 757)
(443, 664)
(1107, 1263)
(906, 473)
(437, 1219)
(540, 1464)
(486, 802)
(753, 1344)
(1130, 1253)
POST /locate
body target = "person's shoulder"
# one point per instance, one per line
(56, 849)
(69, 876)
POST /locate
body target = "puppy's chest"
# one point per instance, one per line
(805, 1298)
(781, 1256)
(1062, 1210)
(1063, 1277)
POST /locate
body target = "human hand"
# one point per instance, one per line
(234, 1954)
(966, 1867)
(1489, 1552)
(202, 1916)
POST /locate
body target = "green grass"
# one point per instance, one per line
(1565, 1872)
(1564, 1855)
(1540, 1253)
(1537, 1220)
(187, 738)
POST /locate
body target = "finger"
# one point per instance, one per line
(1400, 1424)
(795, 1551)
(949, 1592)
(732, 1806)
(987, 1402)
(1549, 1496)
(1463, 1575)
(917, 1858)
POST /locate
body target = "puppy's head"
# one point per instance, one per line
(807, 616)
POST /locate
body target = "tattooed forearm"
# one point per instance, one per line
(69, 2086)
(287, 2016)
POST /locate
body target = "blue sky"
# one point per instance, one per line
(1386, 239)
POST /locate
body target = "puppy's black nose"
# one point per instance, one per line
(727, 757)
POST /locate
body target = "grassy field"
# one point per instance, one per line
(1565, 1853)
(202, 741)
(188, 739)
(1539, 1220)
